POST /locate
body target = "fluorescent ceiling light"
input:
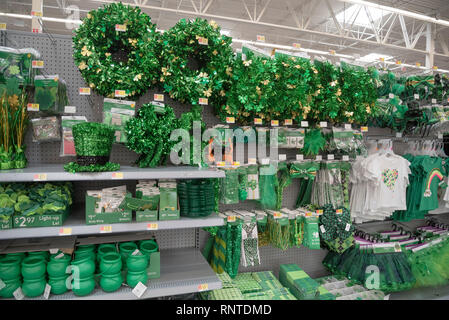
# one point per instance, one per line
(358, 13)
(373, 57)
(23, 16)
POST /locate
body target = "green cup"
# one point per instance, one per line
(33, 267)
(111, 282)
(148, 247)
(126, 248)
(134, 277)
(57, 267)
(138, 262)
(58, 284)
(85, 265)
(111, 263)
(33, 287)
(84, 286)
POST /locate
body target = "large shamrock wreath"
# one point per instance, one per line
(115, 48)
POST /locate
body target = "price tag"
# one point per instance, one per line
(288, 122)
(36, 13)
(53, 250)
(117, 175)
(105, 229)
(332, 52)
(277, 215)
(135, 252)
(330, 157)
(2, 26)
(300, 157)
(339, 211)
(120, 93)
(348, 126)
(440, 136)
(297, 45)
(84, 91)
(282, 157)
(265, 161)
(323, 124)
(230, 120)
(435, 68)
(398, 134)
(391, 95)
(260, 38)
(345, 158)
(348, 226)
(33, 107)
(319, 212)
(65, 231)
(382, 59)
(158, 97)
(2, 284)
(37, 64)
(309, 214)
(203, 287)
(69, 109)
(323, 230)
(304, 124)
(120, 27)
(418, 64)
(416, 96)
(364, 129)
(152, 226)
(221, 164)
(18, 294)
(203, 41)
(398, 62)
(203, 101)
(257, 121)
(40, 177)
(252, 161)
(319, 158)
(139, 290)
(231, 218)
(434, 101)
(47, 291)
(274, 123)
(236, 164)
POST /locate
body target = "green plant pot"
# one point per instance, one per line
(44, 254)
(86, 286)
(10, 268)
(104, 249)
(10, 287)
(134, 277)
(138, 262)
(33, 268)
(126, 248)
(85, 266)
(58, 267)
(148, 247)
(110, 283)
(33, 287)
(111, 263)
(58, 284)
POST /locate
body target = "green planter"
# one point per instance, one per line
(110, 283)
(104, 249)
(10, 287)
(33, 268)
(85, 286)
(43, 254)
(33, 287)
(110, 264)
(134, 277)
(138, 262)
(58, 267)
(85, 265)
(10, 268)
(58, 284)
(147, 247)
(126, 248)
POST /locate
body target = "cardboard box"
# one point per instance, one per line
(146, 215)
(92, 217)
(6, 224)
(168, 203)
(154, 267)
(37, 220)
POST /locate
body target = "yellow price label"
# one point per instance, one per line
(120, 27)
(297, 45)
(236, 163)
(261, 38)
(339, 211)
(288, 122)
(65, 231)
(117, 175)
(84, 91)
(230, 120)
(33, 107)
(37, 64)
(398, 62)
(2, 26)
(257, 121)
(40, 177)
(232, 218)
(309, 214)
(105, 229)
(152, 226)
(36, 13)
(274, 123)
(435, 68)
(382, 59)
(221, 164)
(364, 129)
(120, 93)
(319, 211)
(203, 287)
(203, 101)
(418, 64)
(158, 97)
(332, 52)
(203, 41)
(277, 215)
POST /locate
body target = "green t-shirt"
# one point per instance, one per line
(433, 169)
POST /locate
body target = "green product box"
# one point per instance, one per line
(154, 267)
(168, 206)
(93, 217)
(116, 113)
(40, 220)
(146, 215)
(16, 64)
(6, 224)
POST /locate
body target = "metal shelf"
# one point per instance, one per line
(182, 271)
(426, 293)
(77, 222)
(55, 172)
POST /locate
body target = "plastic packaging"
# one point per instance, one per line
(116, 113)
(17, 63)
(50, 93)
(45, 129)
(67, 142)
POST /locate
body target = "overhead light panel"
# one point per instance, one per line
(357, 14)
(373, 57)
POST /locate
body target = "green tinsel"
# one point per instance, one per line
(93, 139)
(75, 167)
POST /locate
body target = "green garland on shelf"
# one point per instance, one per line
(75, 167)
(97, 40)
(210, 79)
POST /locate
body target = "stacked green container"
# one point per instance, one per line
(10, 275)
(110, 270)
(83, 269)
(137, 263)
(34, 275)
(57, 272)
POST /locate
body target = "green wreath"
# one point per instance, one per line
(97, 42)
(210, 79)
